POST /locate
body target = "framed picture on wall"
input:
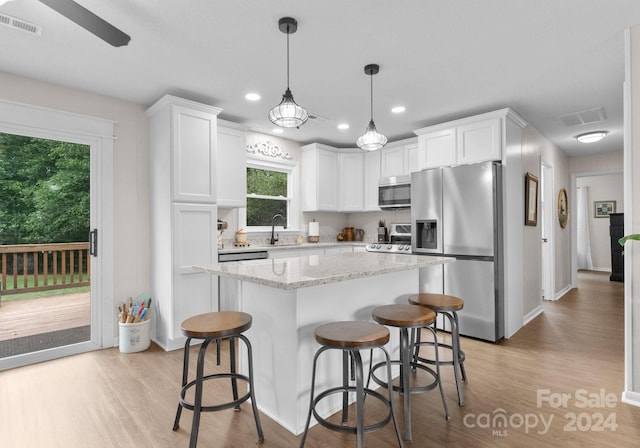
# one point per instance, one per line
(601, 209)
(530, 200)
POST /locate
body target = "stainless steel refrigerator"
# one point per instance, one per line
(457, 212)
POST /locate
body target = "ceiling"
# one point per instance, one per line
(440, 59)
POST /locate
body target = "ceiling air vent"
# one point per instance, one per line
(588, 116)
(19, 24)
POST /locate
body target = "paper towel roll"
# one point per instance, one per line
(314, 228)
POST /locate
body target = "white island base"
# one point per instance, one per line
(284, 346)
(288, 298)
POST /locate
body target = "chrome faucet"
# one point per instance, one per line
(275, 237)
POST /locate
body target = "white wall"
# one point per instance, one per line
(602, 188)
(536, 148)
(632, 216)
(131, 178)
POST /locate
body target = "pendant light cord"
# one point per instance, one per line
(288, 57)
(371, 76)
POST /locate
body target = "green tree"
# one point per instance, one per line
(271, 186)
(44, 190)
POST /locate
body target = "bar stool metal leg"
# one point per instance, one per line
(197, 405)
(405, 389)
(254, 405)
(185, 375)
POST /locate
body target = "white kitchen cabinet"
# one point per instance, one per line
(438, 148)
(399, 158)
(468, 140)
(479, 141)
(194, 243)
(393, 161)
(182, 139)
(338, 249)
(183, 213)
(351, 182)
(371, 176)
(231, 178)
(283, 253)
(319, 180)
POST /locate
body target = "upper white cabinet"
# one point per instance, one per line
(231, 179)
(182, 141)
(399, 158)
(371, 178)
(437, 148)
(479, 141)
(393, 161)
(469, 140)
(351, 182)
(319, 182)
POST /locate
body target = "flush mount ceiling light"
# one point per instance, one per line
(288, 114)
(371, 139)
(591, 137)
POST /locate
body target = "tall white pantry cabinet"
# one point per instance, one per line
(183, 213)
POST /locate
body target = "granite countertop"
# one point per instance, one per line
(314, 270)
(288, 246)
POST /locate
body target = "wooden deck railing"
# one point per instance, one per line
(41, 267)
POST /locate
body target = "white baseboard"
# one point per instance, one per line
(630, 397)
(564, 291)
(532, 315)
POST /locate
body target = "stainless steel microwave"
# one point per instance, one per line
(394, 192)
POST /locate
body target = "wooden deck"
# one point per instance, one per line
(27, 317)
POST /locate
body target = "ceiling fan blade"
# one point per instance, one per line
(89, 21)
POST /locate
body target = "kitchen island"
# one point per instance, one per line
(289, 297)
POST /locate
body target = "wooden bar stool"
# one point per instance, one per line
(351, 337)
(448, 306)
(216, 327)
(405, 317)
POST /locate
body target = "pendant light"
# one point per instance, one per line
(371, 139)
(288, 114)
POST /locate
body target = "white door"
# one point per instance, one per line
(546, 220)
(97, 136)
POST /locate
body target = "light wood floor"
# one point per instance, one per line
(107, 399)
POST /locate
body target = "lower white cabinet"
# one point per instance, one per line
(338, 249)
(185, 238)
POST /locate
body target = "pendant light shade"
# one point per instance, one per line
(288, 114)
(371, 140)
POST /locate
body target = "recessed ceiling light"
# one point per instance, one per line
(343, 126)
(398, 109)
(591, 137)
(252, 97)
(277, 131)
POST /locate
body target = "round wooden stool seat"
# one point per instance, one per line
(221, 324)
(437, 302)
(352, 334)
(401, 315)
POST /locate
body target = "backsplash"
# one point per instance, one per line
(330, 225)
